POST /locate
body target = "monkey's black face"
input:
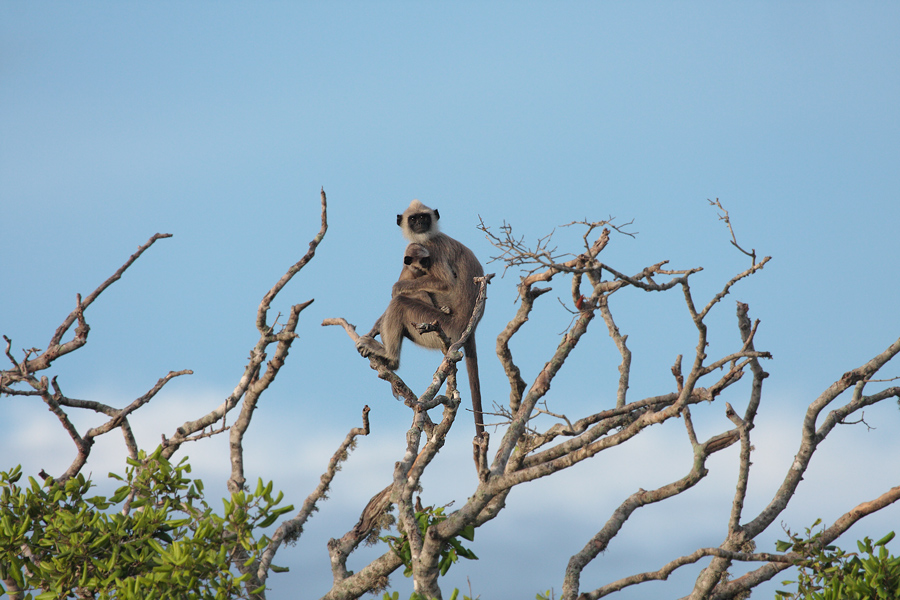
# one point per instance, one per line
(419, 222)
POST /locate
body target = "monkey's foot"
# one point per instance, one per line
(446, 310)
(368, 347)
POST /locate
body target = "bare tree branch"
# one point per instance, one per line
(254, 381)
(56, 347)
(641, 498)
(291, 529)
(727, 219)
(811, 438)
(24, 372)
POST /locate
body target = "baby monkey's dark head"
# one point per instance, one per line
(418, 259)
(424, 262)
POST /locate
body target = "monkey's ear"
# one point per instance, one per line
(437, 215)
(399, 219)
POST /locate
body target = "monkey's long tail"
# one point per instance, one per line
(474, 384)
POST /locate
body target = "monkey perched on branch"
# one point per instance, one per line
(448, 282)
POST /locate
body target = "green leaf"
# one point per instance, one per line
(267, 521)
(243, 577)
(284, 509)
(162, 535)
(468, 533)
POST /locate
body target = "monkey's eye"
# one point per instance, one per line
(425, 262)
(407, 260)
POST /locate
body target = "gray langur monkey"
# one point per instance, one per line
(449, 282)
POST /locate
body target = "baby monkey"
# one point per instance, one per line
(416, 263)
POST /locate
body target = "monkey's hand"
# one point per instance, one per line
(446, 310)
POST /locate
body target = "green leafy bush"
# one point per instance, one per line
(833, 574)
(162, 541)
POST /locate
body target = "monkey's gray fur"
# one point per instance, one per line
(449, 283)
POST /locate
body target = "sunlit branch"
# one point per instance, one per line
(641, 498)
(291, 529)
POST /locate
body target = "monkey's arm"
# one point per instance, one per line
(426, 283)
(376, 328)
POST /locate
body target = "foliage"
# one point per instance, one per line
(833, 574)
(164, 542)
(415, 596)
(450, 552)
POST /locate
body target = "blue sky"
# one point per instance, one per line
(220, 122)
